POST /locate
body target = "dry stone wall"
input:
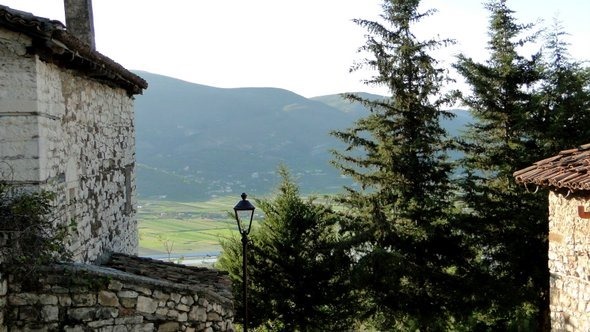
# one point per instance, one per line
(569, 263)
(78, 298)
(75, 136)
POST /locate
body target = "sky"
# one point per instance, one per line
(306, 46)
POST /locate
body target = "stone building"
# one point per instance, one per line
(67, 126)
(66, 114)
(567, 175)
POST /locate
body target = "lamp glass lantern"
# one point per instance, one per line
(244, 211)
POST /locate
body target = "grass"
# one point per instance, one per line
(179, 228)
(182, 228)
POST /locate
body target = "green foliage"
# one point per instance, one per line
(298, 273)
(562, 118)
(409, 251)
(32, 233)
(506, 225)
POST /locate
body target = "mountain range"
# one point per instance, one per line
(195, 142)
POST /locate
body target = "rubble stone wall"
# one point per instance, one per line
(75, 136)
(569, 262)
(79, 298)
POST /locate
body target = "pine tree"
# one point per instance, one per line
(409, 257)
(507, 224)
(564, 113)
(298, 273)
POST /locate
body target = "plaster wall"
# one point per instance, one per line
(569, 258)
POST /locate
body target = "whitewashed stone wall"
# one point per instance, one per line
(66, 133)
(569, 263)
(19, 137)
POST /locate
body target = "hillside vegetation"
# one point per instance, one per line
(197, 142)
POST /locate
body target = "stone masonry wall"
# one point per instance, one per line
(66, 133)
(79, 298)
(19, 137)
(569, 263)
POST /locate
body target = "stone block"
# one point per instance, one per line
(101, 323)
(188, 300)
(162, 311)
(48, 299)
(182, 307)
(108, 299)
(147, 327)
(50, 313)
(169, 327)
(128, 302)
(146, 304)
(82, 314)
(142, 290)
(127, 294)
(198, 314)
(84, 300)
(213, 317)
(173, 314)
(115, 285)
(23, 299)
(160, 295)
(107, 312)
(175, 297)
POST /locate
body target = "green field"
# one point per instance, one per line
(181, 228)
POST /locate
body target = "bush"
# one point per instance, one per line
(32, 234)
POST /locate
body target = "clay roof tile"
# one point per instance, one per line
(568, 169)
(52, 43)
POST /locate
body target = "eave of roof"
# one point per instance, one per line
(54, 44)
(570, 169)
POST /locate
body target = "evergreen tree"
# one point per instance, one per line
(299, 277)
(507, 224)
(409, 258)
(564, 113)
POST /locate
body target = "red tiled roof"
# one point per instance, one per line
(53, 43)
(569, 169)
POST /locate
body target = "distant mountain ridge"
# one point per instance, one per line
(195, 141)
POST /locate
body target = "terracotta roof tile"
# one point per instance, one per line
(54, 44)
(568, 169)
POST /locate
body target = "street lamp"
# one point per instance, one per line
(244, 211)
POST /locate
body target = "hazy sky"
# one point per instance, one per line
(306, 46)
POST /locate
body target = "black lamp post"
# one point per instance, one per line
(244, 213)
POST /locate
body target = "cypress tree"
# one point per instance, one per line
(507, 224)
(408, 255)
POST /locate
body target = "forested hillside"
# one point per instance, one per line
(196, 142)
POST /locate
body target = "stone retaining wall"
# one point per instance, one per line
(78, 298)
